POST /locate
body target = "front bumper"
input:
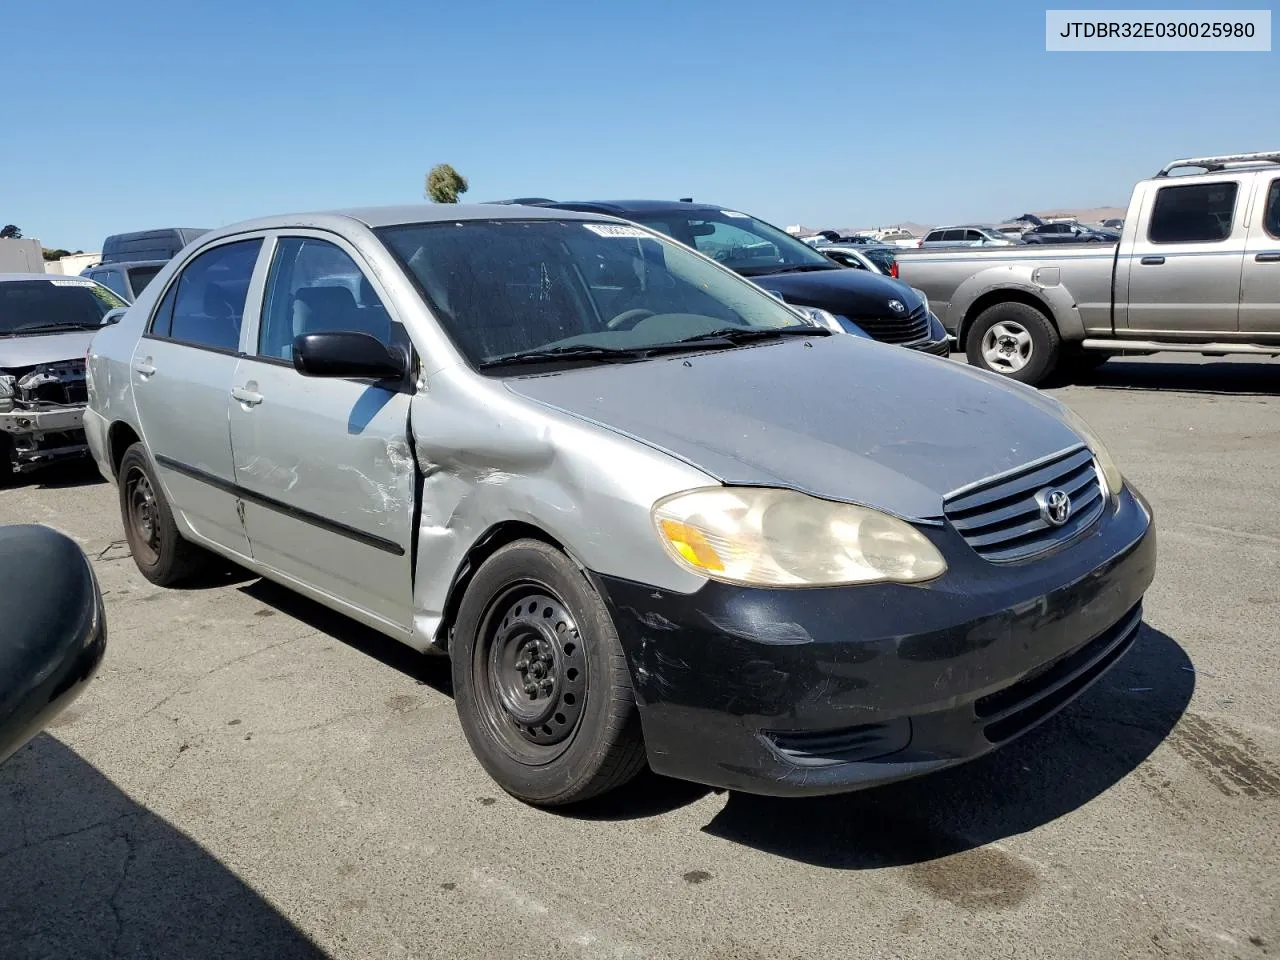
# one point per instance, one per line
(40, 437)
(809, 691)
(937, 343)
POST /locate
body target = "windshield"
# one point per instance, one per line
(742, 243)
(28, 306)
(507, 287)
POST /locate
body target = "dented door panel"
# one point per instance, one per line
(325, 476)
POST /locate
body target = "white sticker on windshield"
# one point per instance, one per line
(735, 213)
(616, 230)
(72, 283)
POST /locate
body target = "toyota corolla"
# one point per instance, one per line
(668, 520)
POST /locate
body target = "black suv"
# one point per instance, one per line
(862, 302)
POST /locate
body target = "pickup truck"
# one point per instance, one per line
(1196, 270)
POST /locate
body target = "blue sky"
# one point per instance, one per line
(141, 113)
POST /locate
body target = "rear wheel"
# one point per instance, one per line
(159, 550)
(1016, 340)
(540, 682)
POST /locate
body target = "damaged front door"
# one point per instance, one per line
(324, 465)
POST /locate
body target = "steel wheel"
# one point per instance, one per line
(144, 515)
(531, 673)
(1007, 346)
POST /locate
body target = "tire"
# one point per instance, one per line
(530, 618)
(1015, 340)
(159, 550)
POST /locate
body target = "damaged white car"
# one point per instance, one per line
(46, 323)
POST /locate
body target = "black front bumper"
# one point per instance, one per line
(808, 691)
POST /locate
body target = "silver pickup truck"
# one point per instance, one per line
(1197, 270)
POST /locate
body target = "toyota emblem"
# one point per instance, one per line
(1055, 506)
(897, 306)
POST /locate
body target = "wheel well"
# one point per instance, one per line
(120, 438)
(995, 297)
(493, 540)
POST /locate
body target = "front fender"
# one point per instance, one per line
(1039, 281)
(488, 458)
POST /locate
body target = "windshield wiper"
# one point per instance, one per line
(802, 267)
(577, 351)
(737, 335)
(49, 327)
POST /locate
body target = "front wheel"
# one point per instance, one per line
(1016, 340)
(540, 682)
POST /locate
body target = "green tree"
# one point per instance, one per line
(57, 254)
(444, 184)
(11, 232)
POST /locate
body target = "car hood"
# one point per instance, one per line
(853, 293)
(27, 351)
(839, 417)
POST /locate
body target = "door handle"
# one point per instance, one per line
(250, 398)
(1268, 258)
(144, 368)
(1152, 261)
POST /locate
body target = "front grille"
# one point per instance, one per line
(1015, 709)
(1001, 518)
(900, 329)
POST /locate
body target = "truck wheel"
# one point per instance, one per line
(159, 550)
(540, 682)
(1016, 340)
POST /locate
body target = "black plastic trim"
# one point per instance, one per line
(305, 516)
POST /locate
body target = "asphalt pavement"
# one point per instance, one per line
(252, 776)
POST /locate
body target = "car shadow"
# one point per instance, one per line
(428, 669)
(1086, 749)
(58, 476)
(646, 796)
(87, 872)
(1234, 379)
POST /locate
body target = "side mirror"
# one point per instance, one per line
(113, 316)
(347, 355)
(55, 630)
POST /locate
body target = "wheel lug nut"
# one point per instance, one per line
(531, 688)
(522, 665)
(545, 684)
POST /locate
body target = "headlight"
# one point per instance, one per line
(820, 317)
(1111, 476)
(761, 536)
(923, 299)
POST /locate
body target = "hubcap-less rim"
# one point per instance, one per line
(531, 673)
(1007, 346)
(144, 515)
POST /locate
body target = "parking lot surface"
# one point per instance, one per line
(252, 776)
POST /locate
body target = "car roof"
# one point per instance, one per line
(390, 216)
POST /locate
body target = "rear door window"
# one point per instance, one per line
(205, 305)
(1195, 213)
